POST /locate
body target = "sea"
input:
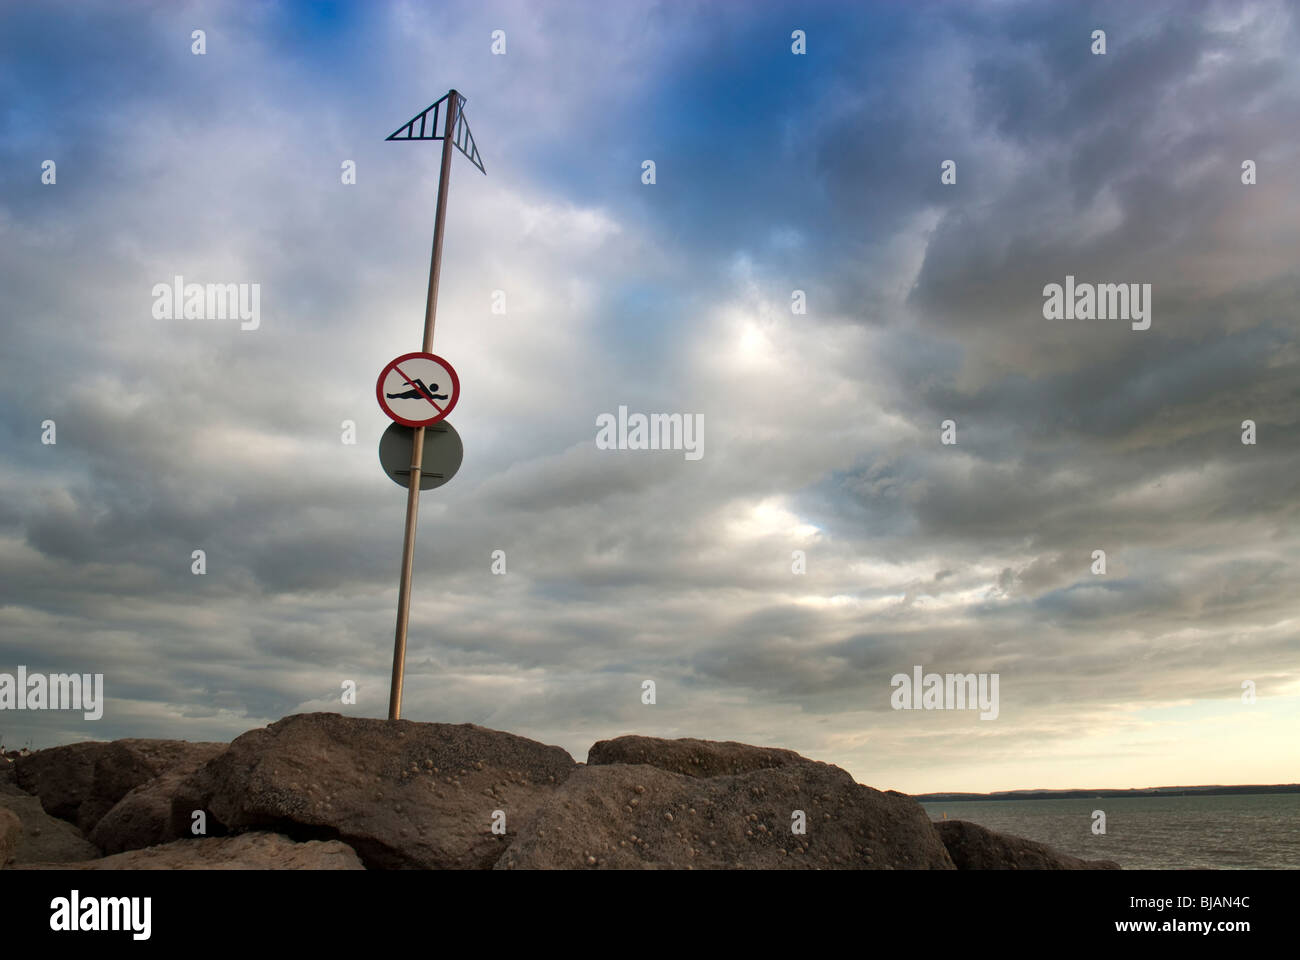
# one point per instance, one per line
(1246, 832)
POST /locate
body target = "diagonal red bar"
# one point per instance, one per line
(412, 383)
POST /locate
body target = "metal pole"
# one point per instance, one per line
(440, 218)
(417, 445)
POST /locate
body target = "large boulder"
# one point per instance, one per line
(643, 816)
(402, 794)
(80, 782)
(247, 851)
(973, 847)
(143, 818)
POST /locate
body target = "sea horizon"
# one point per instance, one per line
(1053, 793)
(1165, 832)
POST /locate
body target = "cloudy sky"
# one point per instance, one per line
(774, 173)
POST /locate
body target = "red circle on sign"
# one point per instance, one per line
(410, 368)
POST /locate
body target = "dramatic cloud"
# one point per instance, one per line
(775, 173)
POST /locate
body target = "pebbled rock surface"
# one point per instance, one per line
(247, 851)
(648, 815)
(973, 847)
(402, 794)
(323, 791)
(694, 758)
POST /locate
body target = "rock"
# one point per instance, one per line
(11, 829)
(694, 758)
(402, 794)
(323, 791)
(143, 818)
(247, 851)
(973, 847)
(43, 838)
(624, 816)
(81, 782)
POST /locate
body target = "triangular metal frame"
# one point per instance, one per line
(431, 129)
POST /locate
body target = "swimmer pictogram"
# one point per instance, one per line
(408, 389)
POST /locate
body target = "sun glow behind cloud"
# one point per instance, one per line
(821, 428)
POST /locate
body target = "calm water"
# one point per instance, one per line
(1161, 833)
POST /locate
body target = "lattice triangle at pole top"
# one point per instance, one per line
(426, 127)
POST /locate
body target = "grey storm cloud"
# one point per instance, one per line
(822, 429)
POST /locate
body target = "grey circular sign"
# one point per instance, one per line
(442, 454)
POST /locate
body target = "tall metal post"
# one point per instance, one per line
(417, 446)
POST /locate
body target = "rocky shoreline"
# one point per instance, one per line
(320, 791)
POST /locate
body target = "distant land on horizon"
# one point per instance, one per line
(1080, 794)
